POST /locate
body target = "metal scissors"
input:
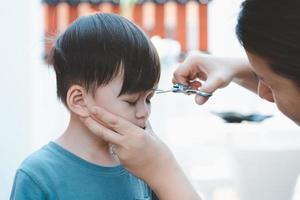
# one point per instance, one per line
(185, 89)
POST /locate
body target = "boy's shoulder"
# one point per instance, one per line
(39, 161)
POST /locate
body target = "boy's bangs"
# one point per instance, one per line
(141, 69)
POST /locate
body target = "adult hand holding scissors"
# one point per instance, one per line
(215, 72)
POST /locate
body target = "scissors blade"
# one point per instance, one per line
(184, 89)
(162, 91)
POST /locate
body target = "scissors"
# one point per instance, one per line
(185, 89)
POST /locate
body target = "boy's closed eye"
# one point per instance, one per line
(133, 99)
(131, 103)
(130, 99)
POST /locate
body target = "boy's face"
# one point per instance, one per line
(133, 107)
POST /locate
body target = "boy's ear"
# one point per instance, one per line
(76, 100)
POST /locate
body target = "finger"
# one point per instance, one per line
(200, 99)
(195, 84)
(212, 83)
(104, 117)
(189, 70)
(185, 72)
(190, 78)
(117, 123)
(102, 131)
(177, 76)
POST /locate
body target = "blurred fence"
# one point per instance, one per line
(165, 18)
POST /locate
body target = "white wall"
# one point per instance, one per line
(16, 39)
(27, 88)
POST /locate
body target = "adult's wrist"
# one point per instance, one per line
(170, 183)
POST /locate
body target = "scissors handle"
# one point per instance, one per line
(186, 89)
(200, 93)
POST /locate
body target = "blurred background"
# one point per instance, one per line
(224, 161)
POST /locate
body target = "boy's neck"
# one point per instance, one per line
(81, 142)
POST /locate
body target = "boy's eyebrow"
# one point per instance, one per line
(152, 91)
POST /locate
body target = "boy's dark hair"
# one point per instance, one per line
(95, 48)
(271, 30)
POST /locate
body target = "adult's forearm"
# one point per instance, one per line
(170, 183)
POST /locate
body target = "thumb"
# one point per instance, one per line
(210, 85)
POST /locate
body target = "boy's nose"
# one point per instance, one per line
(143, 111)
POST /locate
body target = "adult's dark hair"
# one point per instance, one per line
(271, 30)
(95, 48)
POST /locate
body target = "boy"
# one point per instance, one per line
(100, 60)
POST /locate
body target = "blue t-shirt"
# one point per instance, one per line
(54, 173)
